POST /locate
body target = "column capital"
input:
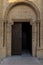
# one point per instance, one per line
(10, 23)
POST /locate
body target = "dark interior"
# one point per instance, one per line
(27, 38)
(21, 38)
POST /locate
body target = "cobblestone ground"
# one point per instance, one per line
(20, 60)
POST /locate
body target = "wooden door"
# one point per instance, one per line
(16, 38)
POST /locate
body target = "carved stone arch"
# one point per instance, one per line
(27, 3)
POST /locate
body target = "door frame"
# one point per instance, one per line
(34, 36)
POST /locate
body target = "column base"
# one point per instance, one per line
(40, 52)
(2, 53)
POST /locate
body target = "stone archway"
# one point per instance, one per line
(35, 26)
(28, 3)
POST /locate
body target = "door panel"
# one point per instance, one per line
(16, 38)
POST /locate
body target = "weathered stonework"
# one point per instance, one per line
(31, 11)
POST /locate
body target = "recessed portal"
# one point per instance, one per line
(21, 38)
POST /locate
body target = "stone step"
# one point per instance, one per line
(20, 60)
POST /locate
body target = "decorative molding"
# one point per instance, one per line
(27, 3)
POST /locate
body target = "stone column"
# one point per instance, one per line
(2, 48)
(41, 34)
(5, 44)
(38, 34)
(9, 34)
(1, 34)
(34, 35)
(5, 36)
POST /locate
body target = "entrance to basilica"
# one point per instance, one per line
(21, 38)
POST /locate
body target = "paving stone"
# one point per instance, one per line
(20, 60)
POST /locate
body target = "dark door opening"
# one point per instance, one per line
(21, 38)
(27, 38)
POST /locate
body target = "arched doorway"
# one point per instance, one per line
(22, 12)
(21, 38)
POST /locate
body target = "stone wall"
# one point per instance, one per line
(1, 8)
